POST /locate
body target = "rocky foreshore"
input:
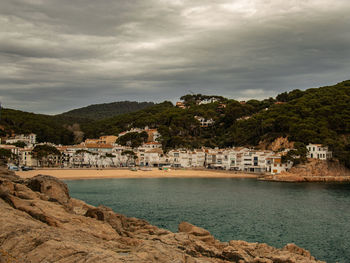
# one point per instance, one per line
(40, 222)
(313, 171)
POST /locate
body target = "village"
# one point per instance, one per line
(104, 152)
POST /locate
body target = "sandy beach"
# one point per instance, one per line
(74, 174)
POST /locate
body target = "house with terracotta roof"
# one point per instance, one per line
(180, 105)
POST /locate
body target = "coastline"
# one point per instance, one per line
(306, 179)
(54, 227)
(83, 174)
(123, 173)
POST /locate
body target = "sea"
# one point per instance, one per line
(315, 216)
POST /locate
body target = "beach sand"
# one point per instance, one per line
(74, 174)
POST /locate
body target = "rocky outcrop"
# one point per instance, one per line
(278, 144)
(40, 223)
(314, 171)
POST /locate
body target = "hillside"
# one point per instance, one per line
(63, 128)
(101, 111)
(318, 115)
(46, 127)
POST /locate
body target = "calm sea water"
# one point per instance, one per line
(313, 216)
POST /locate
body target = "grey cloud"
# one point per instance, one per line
(57, 55)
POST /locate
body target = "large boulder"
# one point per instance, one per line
(123, 225)
(5, 174)
(56, 190)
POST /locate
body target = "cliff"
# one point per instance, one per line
(278, 144)
(40, 222)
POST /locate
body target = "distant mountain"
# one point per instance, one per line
(63, 128)
(105, 110)
(47, 128)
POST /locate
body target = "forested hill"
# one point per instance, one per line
(101, 111)
(47, 128)
(316, 115)
(319, 115)
(63, 128)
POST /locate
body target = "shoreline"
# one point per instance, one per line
(306, 179)
(123, 173)
(83, 174)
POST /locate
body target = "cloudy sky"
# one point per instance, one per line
(57, 55)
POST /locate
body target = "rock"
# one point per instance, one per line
(36, 226)
(200, 233)
(24, 192)
(80, 207)
(236, 254)
(55, 189)
(298, 250)
(278, 144)
(8, 175)
(193, 230)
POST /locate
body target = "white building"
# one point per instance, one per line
(151, 145)
(207, 101)
(26, 157)
(276, 166)
(28, 139)
(204, 122)
(150, 158)
(317, 151)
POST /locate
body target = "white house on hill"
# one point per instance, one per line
(317, 151)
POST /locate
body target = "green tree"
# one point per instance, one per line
(5, 156)
(131, 157)
(18, 144)
(46, 154)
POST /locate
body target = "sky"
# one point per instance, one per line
(57, 55)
